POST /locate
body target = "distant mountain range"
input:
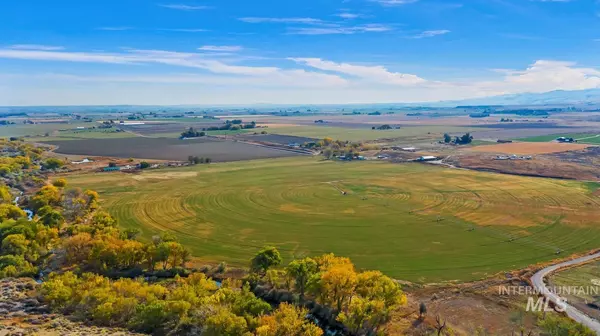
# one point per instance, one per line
(559, 97)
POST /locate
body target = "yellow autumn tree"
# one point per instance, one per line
(287, 320)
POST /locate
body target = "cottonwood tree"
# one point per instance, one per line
(266, 258)
(301, 271)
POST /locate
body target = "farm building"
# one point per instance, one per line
(409, 149)
(566, 140)
(110, 169)
(426, 158)
(86, 160)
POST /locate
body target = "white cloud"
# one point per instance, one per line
(179, 59)
(184, 30)
(184, 7)
(344, 30)
(310, 80)
(314, 26)
(544, 76)
(302, 20)
(431, 33)
(44, 55)
(221, 48)
(378, 74)
(35, 47)
(349, 16)
(394, 2)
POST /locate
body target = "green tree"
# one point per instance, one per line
(144, 165)
(302, 270)
(447, 138)
(267, 257)
(225, 323)
(52, 163)
(16, 244)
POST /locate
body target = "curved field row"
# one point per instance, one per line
(416, 222)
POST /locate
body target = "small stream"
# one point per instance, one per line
(27, 211)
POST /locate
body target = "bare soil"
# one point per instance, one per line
(169, 149)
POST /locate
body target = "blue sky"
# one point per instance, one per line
(312, 51)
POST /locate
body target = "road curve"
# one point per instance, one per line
(576, 315)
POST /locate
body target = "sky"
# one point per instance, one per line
(105, 52)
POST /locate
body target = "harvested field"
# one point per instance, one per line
(521, 125)
(416, 222)
(275, 138)
(524, 148)
(157, 129)
(169, 149)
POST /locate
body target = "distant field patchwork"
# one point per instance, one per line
(416, 222)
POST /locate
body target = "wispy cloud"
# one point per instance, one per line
(35, 47)
(184, 7)
(303, 20)
(394, 2)
(184, 30)
(372, 73)
(221, 48)
(178, 59)
(430, 33)
(348, 15)
(115, 28)
(339, 29)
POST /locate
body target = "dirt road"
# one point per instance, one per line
(540, 286)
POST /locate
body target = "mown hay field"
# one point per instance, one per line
(416, 222)
(527, 148)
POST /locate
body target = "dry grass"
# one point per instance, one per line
(523, 148)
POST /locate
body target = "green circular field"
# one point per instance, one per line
(413, 222)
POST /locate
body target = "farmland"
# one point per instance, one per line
(416, 222)
(589, 138)
(529, 148)
(167, 149)
(20, 129)
(358, 134)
